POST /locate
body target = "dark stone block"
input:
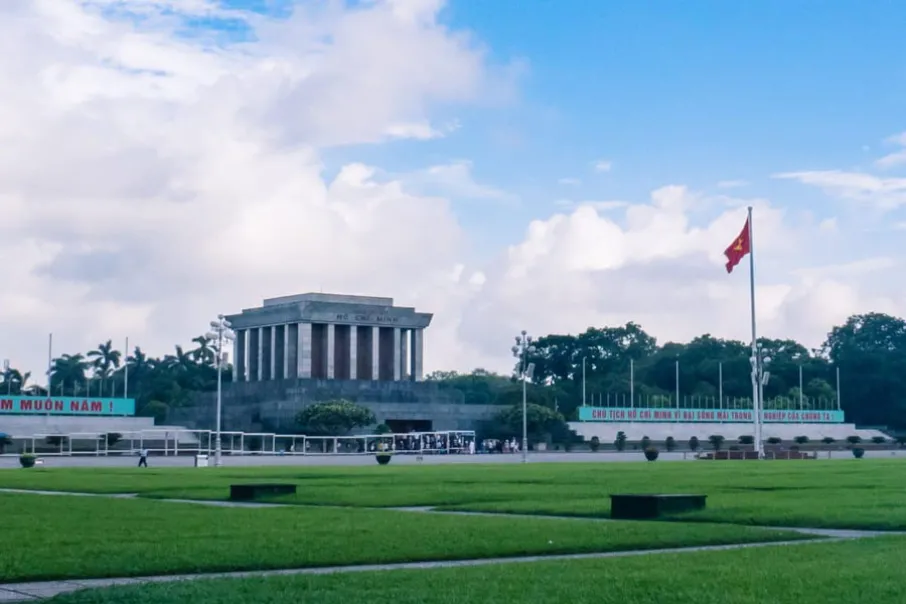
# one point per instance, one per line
(248, 492)
(646, 507)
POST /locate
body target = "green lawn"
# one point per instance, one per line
(855, 572)
(821, 493)
(51, 537)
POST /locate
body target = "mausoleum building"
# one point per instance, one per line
(328, 337)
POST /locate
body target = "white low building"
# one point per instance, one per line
(682, 432)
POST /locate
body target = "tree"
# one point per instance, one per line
(541, 421)
(104, 360)
(67, 372)
(620, 442)
(746, 439)
(204, 354)
(694, 444)
(670, 443)
(870, 351)
(801, 440)
(716, 441)
(334, 418)
(13, 381)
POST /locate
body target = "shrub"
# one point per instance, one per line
(382, 429)
(801, 440)
(878, 440)
(595, 443)
(112, 438)
(854, 440)
(858, 452)
(645, 442)
(670, 443)
(334, 417)
(747, 439)
(901, 440)
(774, 440)
(828, 440)
(383, 458)
(694, 444)
(620, 442)
(651, 453)
(716, 441)
(27, 460)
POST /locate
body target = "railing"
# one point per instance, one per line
(203, 442)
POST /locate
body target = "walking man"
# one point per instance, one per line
(143, 458)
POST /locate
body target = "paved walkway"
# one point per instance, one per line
(30, 592)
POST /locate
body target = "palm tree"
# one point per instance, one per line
(14, 381)
(204, 354)
(67, 371)
(105, 359)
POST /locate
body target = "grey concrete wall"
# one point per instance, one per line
(273, 406)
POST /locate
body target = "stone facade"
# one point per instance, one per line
(329, 337)
(272, 406)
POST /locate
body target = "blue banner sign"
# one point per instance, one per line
(623, 414)
(64, 405)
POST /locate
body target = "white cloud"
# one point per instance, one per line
(149, 181)
(597, 205)
(654, 264)
(453, 180)
(897, 158)
(884, 193)
(570, 182)
(602, 165)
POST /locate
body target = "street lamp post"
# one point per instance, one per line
(521, 351)
(221, 333)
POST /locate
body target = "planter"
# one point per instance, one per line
(651, 454)
(858, 453)
(383, 458)
(27, 461)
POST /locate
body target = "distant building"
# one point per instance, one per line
(295, 351)
(329, 337)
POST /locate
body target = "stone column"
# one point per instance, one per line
(331, 349)
(292, 351)
(417, 354)
(404, 353)
(396, 354)
(375, 353)
(260, 352)
(252, 355)
(272, 369)
(239, 372)
(304, 346)
(353, 351)
(286, 364)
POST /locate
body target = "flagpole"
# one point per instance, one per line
(756, 402)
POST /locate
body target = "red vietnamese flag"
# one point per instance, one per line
(741, 246)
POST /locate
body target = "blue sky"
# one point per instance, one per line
(685, 93)
(675, 92)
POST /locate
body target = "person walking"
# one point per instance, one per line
(143, 458)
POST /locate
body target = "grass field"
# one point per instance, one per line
(50, 537)
(834, 573)
(838, 494)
